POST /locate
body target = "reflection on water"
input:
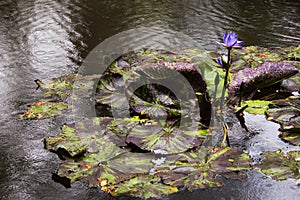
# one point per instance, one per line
(47, 38)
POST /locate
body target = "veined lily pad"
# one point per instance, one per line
(108, 163)
(111, 92)
(293, 53)
(286, 112)
(141, 186)
(60, 87)
(198, 169)
(253, 56)
(281, 166)
(45, 109)
(103, 151)
(76, 140)
(165, 138)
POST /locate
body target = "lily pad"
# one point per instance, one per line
(142, 186)
(44, 109)
(165, 138)
(199, 169)
(60, 87)
(256, 106)
(293, 53)
(111, 91)
(252, 56)
(286, 112)
(77, 139)
(281, 166)
(108, 163)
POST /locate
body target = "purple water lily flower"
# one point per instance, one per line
(231, 41)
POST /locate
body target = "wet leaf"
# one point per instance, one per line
(76, 139)
(280, 166)
(165, 138)
(286, 112)
(110, 163)
(44, 109)
(198, 169)
(143, 187)
(256, 106)
(111, 92)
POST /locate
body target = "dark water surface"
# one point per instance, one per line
(43, 39)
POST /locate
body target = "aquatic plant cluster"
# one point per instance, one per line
(145, 141)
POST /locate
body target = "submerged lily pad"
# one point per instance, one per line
(281, 166)
(45, 109)
(199, 169)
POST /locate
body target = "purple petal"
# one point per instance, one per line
(239, 44)
(221, 43)
(224, 36)
(220, 62)
(231, 39)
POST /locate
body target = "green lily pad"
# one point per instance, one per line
(41, 110)
(80, 138)
(60, 87)
(165, 138)
(286, 112)
(142, 186)
(108, 163)
(252, 56)
(118, 129)
(255, 106)
(293, 53)
(280, 166)
(291, 137)
(111, 92)
(199, 169)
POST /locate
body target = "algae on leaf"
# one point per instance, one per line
(44, 109)
(256, 106)
(199, 169)
(146, 186)
(165, 138)
(76, 139)
(281, 166)
(286, 112)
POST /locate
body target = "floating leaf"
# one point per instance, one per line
(286, 112)
(143, 187)
(44, 109)
(60, 87)
(256, 106)
(198, 169)
(291, 137)
(111, 92)
(109, 163)
(78, 138)
(165, 138)
(281, 166)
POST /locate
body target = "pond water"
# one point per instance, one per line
(43, 39)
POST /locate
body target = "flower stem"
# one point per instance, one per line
(225, 80)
